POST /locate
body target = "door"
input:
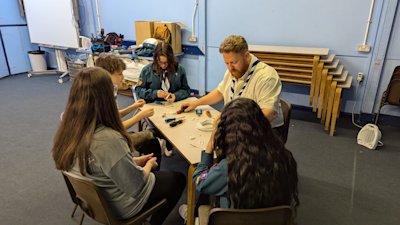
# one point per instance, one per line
(17, 44)
(3, 64)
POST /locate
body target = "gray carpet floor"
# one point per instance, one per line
(340, 182)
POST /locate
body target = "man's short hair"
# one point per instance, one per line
(234, 43)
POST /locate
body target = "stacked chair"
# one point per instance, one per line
(313, 67)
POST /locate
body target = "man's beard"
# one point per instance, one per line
(239, 73)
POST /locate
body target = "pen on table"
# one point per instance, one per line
(174, 123)
(173, 119)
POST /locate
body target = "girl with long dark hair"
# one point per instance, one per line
(253, 168)
(164, 79)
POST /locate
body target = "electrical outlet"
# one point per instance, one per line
(193, 39)
(360, 76)
(363, 48)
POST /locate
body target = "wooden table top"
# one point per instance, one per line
(185, 137)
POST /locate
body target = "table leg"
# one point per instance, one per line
(317, 86)
(191, 196)
(330, 104)
(326, 98)
(321, 103)
(313, 78)
(335, 110)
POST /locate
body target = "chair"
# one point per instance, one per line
(73, 195)
(93, 203)
(278, 215)
(287, 111)
(391, 96)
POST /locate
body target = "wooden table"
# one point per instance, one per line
(181, 138)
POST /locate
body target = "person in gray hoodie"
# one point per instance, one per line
(91, 142)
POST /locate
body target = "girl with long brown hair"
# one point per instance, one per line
(92, 142)
(164, 79)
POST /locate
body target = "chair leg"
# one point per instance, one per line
(82, 217)
(73, 211)
(326, 98)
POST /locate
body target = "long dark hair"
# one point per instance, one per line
(262, 172)
(164, 49)
(91, 102)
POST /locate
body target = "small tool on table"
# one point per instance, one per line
(208, 113)
(168, 120)
(199, 112)
(173, 124)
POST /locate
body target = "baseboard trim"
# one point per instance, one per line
(361, 119)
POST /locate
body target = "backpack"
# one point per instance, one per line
(162, 33)
(113, 38)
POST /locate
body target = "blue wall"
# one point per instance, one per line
(338, 25)
(392, 60)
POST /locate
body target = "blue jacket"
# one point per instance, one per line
(212, 179)
(150, 82)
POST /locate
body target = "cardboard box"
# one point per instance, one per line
(144, 30)
(175, 29)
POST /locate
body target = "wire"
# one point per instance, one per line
(355, 103)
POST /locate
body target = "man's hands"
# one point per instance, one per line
(189, 106)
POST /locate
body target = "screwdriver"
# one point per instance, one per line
(173, 124)
(173, 119)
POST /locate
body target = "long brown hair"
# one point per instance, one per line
(91, 102)
(262, 172)
(164, 49)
